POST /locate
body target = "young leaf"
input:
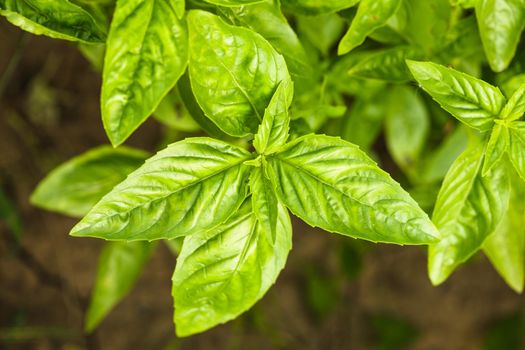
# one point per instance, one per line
(496, 147)
(233, 71)
(363, 123)
(273, 131)
(119, 267)
(190, 186)
(515, 107)
(468, 209)
(264, 202)
(318, 7)
(407, 126)
(500, 24)
(222, 272)
(472, 101)
(77, 185)
(322, 31)
(505, 247)
(58, 19)
(147, 52)
(233, 3)
(330, 183)
(371, 14)
(517, 147)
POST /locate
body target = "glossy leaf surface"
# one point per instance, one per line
(147, 52)
(190, 186)
(318, 7)
(222, 272)
(330, 183)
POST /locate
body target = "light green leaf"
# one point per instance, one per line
(330, 183)
(500, 24)
(233, 2)
(273, 131)
(468, 209)
(222, 272)
(407, 126)
(363, 123)
(496, 147)
(322, 31)
(517, 147)
(472, 101)
(58, 19)
(234, 72)
(505, 247)
(147, 52)
(172, 113)
(515, 107)
(77, 185)
(386, 64)
(264, 202)
(189, 186)
(371, 14)
(119, 267)
(318, 7)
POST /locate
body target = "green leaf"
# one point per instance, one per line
(233, 71)
(190, 186)
(10, 217)
(371, 14)
(496, 147)
(322, 31)
(273, 131)
(515, 107)
(386, 64)
(172, 113)
(517, 147)
(223, 272)
(318, 7)
(58, 19)
(119, 267)
(233, 2)
(77, 185)
(264, 202)
(407, 126)
(470, 100)
(468, 209)
(364, 122)
(505, 247)
(147, 52)
(500, 25)
(330, 183)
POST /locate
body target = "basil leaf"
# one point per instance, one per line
(468, 208)
(189, 186)
(515, 107)
(500, 25)
(233, 2)
(76, 186)
(517, 147)
(407, 126)
(330, 183)
(505, 247)
(58, 19)
(273, 131)
(222, 272)
(363, 124)
(233, 71)
(496, 147)
(318, 7)
(264, 203)
(119, 267)
(470, 100)
(371, 14)
(386, 64)
(172, 113)
(147, 52)
(321, 31)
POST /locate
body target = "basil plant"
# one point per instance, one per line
(288, 106)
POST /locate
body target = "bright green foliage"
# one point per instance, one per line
(233, 2)
(515, 107)
(234, 86)
(76, 186)
(119, 266)
(517, 147)
(496, 147)
(318, 7)
(60, 19)
(222, 272)
(176, 192)
(146, 54)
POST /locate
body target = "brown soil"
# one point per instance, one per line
(45, 283)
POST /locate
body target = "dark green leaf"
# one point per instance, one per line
(222, 272)
(330, 183)
(147, 52)
(190, 186)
